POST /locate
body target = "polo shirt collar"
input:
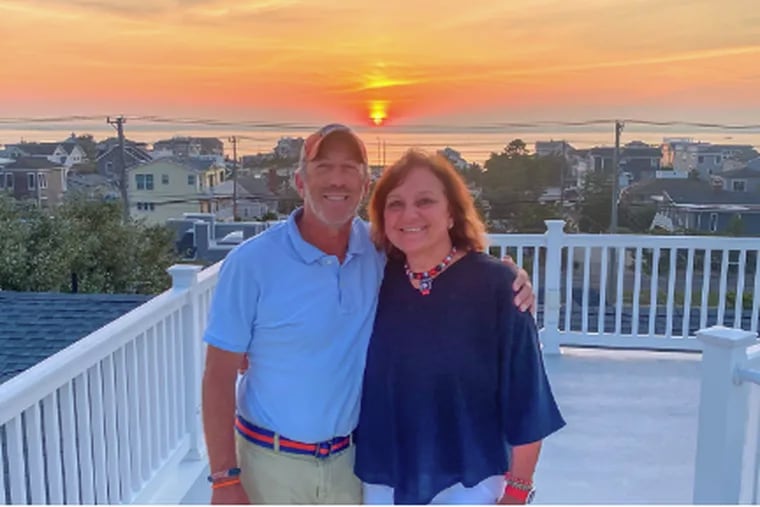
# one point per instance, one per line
(310, 253)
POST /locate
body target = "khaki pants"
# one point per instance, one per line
(274, 477)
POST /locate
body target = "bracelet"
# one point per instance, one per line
(224, 484)
(518, 482)
(224, 474)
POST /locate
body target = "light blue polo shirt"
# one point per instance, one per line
(305, 321)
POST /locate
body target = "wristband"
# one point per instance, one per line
(224, 474)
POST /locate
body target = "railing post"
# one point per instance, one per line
(553, 270)
(722, 416)
(185, 278)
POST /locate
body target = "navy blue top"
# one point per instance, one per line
(452, 380)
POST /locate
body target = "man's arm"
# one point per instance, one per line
(522, 286)
(219, 380)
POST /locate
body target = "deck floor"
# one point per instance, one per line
(631, 432)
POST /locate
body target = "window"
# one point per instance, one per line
(30, 181)
(191, 179)
(9, 180)
(2, 180)
(109, 167)
(146, 206)
(717, 160)
(739, 185)
(164, 179)
(701, 159)
(144, 181)
(42, 181)
(713, 222)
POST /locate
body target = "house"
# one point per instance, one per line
(169, 187)
(189, 147)
(93, 186)
(553, 149)
(66, 154)
(108, 161)
(746, 179)
(454, 157)
(288, 148)
(698, 206)
(638, 161)
(254, 199)
(34, 178)
(685, 155)
(36, 325)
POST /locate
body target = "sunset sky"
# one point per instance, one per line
(412, 61)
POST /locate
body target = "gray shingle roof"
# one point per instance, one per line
(32, 163)
(36, 325)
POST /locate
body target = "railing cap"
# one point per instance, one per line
(184, 276)
(554, 225)
(726, 337)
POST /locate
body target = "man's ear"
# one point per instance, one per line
(299, 184)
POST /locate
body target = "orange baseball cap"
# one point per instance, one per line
(310, 149)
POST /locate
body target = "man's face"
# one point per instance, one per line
(334, 183)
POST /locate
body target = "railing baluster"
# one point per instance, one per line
(14, 438)
(133, 417)
(686, 323)
(603, 291)
(126, 488)
(535, 276)
(739, 304)
(143, 392)
(586, 283)
(84, 438)
(706, 275)
(154, 427)
(98, 434)
(72, 489)
(520, 256)
(653, 286)
(569, 289)
(636, 290)
(163, 390)
(111, 433)
(755, 315)
(35, 456)
(671, 292)
(3, 489)
(180, 393)
(52, 432)
(723, 287)
(619, 295)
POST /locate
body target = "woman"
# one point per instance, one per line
(459, 397)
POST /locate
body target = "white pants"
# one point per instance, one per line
(486, 492)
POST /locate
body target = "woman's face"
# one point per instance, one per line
(417, 218)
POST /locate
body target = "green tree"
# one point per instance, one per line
(43, 249)
(596, 203)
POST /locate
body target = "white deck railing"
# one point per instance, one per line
(637, 291)
(115, 418)
(727, 465)
(110, 418)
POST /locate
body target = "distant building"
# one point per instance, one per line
(34, 178)
(553, 149)
(189, 147)
(685, 155)
(746, 179)
(638, 161)
(109, 162)
(288, 148)
(168, 188)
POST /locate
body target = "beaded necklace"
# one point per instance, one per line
(426, 277)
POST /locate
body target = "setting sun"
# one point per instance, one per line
(378, 111)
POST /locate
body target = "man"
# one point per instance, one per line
(299, 300)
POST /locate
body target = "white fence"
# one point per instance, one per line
(115, 418)
(728, 438)
(110, 418)
(635, 291)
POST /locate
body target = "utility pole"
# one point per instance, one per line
(123, 180)
(615, 177)
(234, 141)
(562, 170)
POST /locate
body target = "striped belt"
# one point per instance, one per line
(267, 438)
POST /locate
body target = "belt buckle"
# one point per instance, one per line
(323, 445)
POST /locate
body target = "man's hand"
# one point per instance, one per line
(523, 288)
(229, 495)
